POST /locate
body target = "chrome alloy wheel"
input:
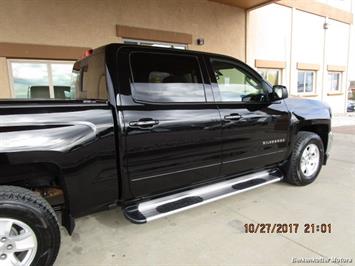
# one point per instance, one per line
(310, 160)
(18, 243)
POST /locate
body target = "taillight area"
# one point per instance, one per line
(87, 53)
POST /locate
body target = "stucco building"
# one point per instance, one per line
(305, 44)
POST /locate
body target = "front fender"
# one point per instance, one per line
(310, 115)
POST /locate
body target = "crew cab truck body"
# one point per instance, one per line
(154, 131)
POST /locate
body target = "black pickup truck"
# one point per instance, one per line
(154, 131)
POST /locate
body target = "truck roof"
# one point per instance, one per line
(113, 47)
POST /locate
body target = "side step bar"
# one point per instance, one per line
(157, 208)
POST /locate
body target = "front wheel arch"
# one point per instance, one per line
(322, 130)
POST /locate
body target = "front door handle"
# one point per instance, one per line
(144, 123)
(232, 117)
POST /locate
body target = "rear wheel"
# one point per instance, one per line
(29, 231)
(306, 160)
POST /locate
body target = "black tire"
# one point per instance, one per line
(294, 174)
(29, 208)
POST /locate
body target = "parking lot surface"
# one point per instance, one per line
(214, 234)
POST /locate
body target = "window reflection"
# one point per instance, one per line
(234, 85)
(156, 44)
(41, 79)
(26, 75)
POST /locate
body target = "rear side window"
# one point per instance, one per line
(166, 78)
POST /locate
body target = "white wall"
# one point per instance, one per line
(352, 50)
(269, 36)
(337, 53)
(280, 33)
(307, 47)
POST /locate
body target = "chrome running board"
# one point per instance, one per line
(160, 207)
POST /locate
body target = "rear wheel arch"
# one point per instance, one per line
(29, 215)
(31, 174)
(45, 179)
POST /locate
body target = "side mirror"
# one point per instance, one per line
(279, 92)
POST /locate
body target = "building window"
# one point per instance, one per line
(33, 79)
(334, 81)
(156, 44)
(306, 81)
(271, 75)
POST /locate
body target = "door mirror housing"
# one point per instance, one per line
(279, 92)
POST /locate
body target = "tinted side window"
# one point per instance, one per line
(166, 78)
(235, 85)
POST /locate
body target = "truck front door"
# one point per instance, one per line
(255, 131)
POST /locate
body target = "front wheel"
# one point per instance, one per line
(29, 231)
(306, 160)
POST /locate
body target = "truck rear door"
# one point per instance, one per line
(172, 133)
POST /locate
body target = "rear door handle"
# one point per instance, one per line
(232, 117)
(143, 123)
